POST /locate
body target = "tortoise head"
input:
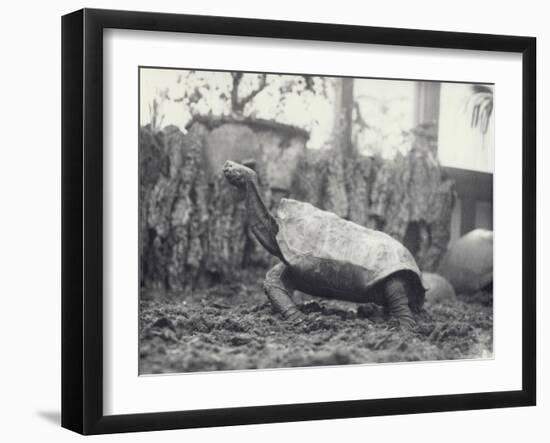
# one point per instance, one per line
(238, 175)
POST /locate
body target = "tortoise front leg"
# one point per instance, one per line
(397, 302)
(278, 289)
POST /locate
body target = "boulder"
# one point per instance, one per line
(468, 264)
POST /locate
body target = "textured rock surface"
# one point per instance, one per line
(230, 140)
(280, 154)
(277, 146)
(173, 209)
(413, 203)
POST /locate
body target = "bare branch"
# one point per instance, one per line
(359, 116)
(255, 92)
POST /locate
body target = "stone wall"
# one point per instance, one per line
(273, 144)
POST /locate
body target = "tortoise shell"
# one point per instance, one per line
(308, 234)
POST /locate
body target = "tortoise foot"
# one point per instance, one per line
(402, 324)
(294, 316)
(407, 324)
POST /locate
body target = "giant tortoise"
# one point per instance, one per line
(324, 255)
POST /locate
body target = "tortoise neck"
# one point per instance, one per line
(262, 224)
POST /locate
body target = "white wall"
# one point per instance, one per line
(460, 145)
(30, 222)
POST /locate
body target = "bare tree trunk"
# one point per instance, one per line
(343, 115)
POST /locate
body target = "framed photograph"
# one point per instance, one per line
(269, 221)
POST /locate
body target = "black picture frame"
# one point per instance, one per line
(82, 218)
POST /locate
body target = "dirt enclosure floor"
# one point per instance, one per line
(233, 327)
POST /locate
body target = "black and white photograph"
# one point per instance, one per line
(243, 222)
(295, 220)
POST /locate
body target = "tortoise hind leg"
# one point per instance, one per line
(278, 289)
(397, 302)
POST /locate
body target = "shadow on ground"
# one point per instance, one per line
(53, 417)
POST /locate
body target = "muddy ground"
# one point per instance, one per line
(233, 327)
